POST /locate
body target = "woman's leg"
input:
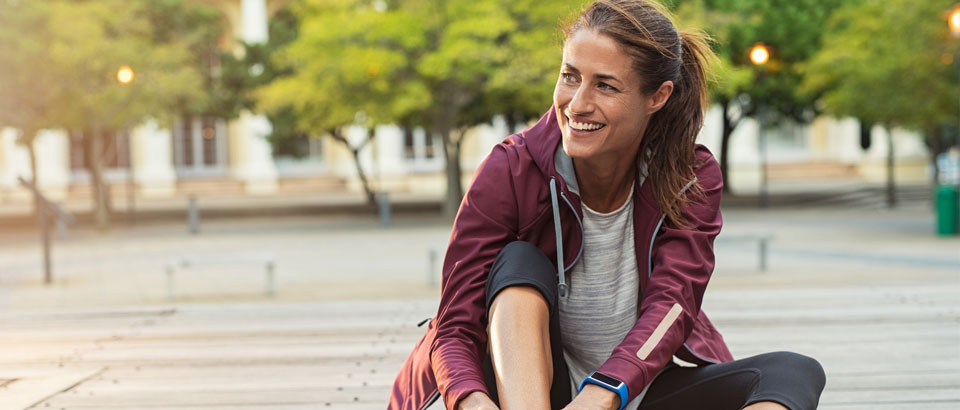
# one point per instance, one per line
(767, 381)
(520, 348)
(525, 367)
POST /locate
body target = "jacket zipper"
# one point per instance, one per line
(562, 268)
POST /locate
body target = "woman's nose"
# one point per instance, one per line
(581, 102)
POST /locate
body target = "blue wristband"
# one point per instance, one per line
(608, 383)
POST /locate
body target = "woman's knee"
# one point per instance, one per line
(522, 265)
(520, 301)
(804, 367)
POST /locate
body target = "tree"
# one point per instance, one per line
(442, 65)
(885, 63)
(350, 58)
(63, 62)
(791, 28)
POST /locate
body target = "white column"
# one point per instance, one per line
(252, 160)
(53, 162)
(151, 151)
(254, 21)
(389, 142)
(252, 157)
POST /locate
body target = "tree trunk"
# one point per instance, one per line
(355, 152)
(451, 156)
(934, 146)
(371, 197)
(101, 192)
(891, 186)
(28, 139)
(728, 127)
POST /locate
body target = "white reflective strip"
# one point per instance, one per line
(661, 330)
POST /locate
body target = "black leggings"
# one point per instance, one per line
(790, 379)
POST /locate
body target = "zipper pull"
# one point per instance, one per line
(561, 277)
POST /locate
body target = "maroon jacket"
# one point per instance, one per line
(509, 200)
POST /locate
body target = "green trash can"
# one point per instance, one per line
(948, 207)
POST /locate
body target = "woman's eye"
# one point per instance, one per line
(606, 86)
(568, 77)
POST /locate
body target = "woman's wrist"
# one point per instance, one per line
(477, 400)
(596, 397)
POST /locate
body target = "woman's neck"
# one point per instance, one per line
(604, 187)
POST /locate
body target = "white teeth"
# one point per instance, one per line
(582, 126)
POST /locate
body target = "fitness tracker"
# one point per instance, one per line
(608, 383)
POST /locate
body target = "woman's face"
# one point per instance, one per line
(601, 109)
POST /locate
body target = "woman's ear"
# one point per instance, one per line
(659, 98)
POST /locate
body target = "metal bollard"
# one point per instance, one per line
(383, 204)
(763, 254)
(169, 271)
(193, 215)
(271, 268)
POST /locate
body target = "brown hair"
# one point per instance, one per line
(660, 53)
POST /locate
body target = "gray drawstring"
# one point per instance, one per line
(562, 286)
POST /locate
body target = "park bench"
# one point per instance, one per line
(185, 263)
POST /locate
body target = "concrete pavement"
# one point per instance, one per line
(352, 257)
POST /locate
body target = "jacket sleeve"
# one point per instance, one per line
(682, 262)
(485, 223)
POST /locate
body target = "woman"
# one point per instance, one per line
(580, 255)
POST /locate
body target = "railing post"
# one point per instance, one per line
(42, 208)
(193, 215)
(383, 204)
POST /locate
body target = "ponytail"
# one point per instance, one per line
(671, 135)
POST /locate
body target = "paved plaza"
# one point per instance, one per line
(154, 317)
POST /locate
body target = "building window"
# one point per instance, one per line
(114, 154)
(417, 146)
(200, 146)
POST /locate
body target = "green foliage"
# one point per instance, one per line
(884, 62)
(792, 29)
(441, 64)
(27, 81)
(59, 61)
(347, 59)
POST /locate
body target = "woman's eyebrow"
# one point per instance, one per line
(598, 76)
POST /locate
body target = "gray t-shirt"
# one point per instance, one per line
(604, 293)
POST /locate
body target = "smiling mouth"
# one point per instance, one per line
(584, 126)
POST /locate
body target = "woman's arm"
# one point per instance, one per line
(485, 223)
(682, 264)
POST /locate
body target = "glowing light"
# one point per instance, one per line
(759, 54)
(125, 75)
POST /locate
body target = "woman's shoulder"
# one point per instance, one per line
(707, 168)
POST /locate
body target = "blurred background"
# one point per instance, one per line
(299, 162)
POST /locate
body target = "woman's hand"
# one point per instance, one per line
(594, 397)
(477, 401)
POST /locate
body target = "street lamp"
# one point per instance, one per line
(124, 77)
(759, 55)
(125, 74)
